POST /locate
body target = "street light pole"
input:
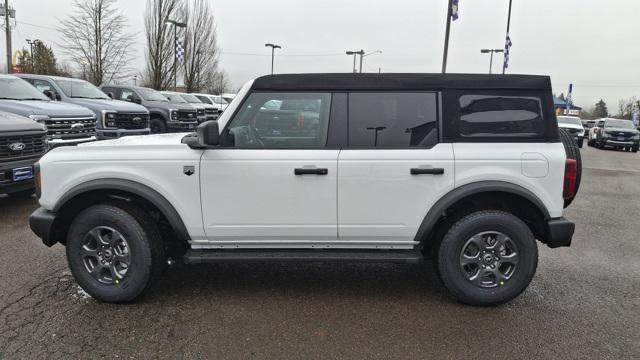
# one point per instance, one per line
(176, 25)
(7, 26)
(273, 50)
(446, 37)
(31, 52)
(491, 51)
(363, 55)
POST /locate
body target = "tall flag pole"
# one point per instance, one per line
(507, 43)
(452, 14)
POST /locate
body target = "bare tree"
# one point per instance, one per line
(201, 48)
(218, 82)
(160, 46)
(94, 34)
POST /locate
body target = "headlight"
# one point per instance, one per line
(174, 114)
(109, 119)
(581, 132)
(636, 137)
(42, 119)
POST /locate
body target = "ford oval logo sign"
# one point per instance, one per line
(77, 126)
(17, 146)
(136, 119)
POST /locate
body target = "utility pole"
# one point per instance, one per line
(273, 50)
(491, 51)
(507, 39)
(363, 55)
(7, 27)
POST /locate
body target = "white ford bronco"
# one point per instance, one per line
(467, 170)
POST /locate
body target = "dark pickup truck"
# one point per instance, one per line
(22, 142)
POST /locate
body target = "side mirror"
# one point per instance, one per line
(49, 94)
(208, 133)
(110, 94)
(57, 96)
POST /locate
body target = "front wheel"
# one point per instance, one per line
(114, 252)
(487, 258)
(157, 126)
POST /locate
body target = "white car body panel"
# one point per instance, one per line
(252, 198)
(380, 203)
(523, 164)
(153, 160)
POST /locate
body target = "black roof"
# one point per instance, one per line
(398, 82)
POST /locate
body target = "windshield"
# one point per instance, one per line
(80, 89)
(625, 124)
(220, 100)
(174, 98)
(151, 95)
(18, 89)
(569, 120)
(190, 98)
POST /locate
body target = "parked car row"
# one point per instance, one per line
(39, 112)
(618, 134)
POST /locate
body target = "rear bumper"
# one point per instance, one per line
(559, 232)
(42, 222)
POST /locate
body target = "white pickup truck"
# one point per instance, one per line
(468, 170)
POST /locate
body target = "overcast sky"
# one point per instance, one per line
(591, 43)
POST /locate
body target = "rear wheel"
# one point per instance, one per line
(487, 258)
(114, 252)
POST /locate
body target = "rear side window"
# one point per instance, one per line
(500, 116)
(392, 120)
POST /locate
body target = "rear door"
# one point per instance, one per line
(393, 170)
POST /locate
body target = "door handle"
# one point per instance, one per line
(427, 171)
(311, 171)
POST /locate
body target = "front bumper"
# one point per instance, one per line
(114, 134)
(182, 125)
(62, 142)
(559, 232)
(610, 142)
(7, 185)
(42, 223)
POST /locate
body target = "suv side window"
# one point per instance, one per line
(42, 85)
(281, 121)
(393, 120)
(500, 116)
(125, 93)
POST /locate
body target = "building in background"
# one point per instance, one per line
(561, 107)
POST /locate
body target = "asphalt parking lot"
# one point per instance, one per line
(584, 301)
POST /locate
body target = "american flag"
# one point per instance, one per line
(507, 47)
(180, 51)
(454, 10)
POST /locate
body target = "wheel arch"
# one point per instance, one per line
(484, 195)
(75, 200)
(157, 114)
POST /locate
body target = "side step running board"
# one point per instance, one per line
(388, 256)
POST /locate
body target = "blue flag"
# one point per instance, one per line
(454, 10)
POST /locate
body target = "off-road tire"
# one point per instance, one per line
(157, 126)
(145, 247)
(451, 246)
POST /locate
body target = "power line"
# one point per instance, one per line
(285, 55)
(35, 25)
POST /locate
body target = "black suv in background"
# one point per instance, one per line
(618, 134)
(22, 142)
(164, 115)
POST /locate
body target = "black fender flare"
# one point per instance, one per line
(143, 191)
(457, 194)
(155, 113)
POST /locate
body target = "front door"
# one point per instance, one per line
(272, 183)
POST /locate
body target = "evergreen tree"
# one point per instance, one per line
(601, 110)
